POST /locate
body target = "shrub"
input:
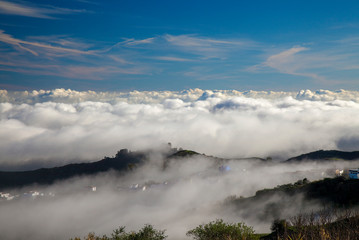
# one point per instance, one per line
(146, 233)
(219, 230)
(322, 225)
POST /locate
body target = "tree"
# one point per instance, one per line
(279, 227)
(219, 230)
(146, 233)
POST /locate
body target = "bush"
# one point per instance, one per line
(322, 225)
(219, 230)
(146, 233)
(279, 228)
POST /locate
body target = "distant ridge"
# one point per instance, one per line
(184, 153)
(324, 155)
(336, 193)
(124, 160)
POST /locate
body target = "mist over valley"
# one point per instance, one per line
(62, 174)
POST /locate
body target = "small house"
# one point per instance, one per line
(354, 173)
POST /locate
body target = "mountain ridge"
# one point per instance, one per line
(126, 160)
(326, 155)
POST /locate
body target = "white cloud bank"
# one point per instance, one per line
(193, 195)
(46, 128)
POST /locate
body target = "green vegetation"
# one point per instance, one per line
(337, 192)
(324, 225)
(219, 230)
(216, 230)
(184, 153)
(287, 188)
(146, 233)
(329, 155)
(122, 162)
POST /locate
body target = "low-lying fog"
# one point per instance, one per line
(53, 128)
(189, 192)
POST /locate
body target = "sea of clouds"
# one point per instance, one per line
(55, 127)
(51, 128)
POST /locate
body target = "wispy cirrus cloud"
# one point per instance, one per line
(285, 57)
(194, 41)
(287, 62)
(192, 57)
(30, 10)
(291, 61)
(207, 48)
(330, 62)
(61, 56)
(175, 46)
(99, 72)
(64, 41)
(78, 71)
(128, 43)
(227, 57)
(32, 47)
(134, 42)
(173, 59)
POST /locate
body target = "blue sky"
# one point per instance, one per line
(174, 45)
